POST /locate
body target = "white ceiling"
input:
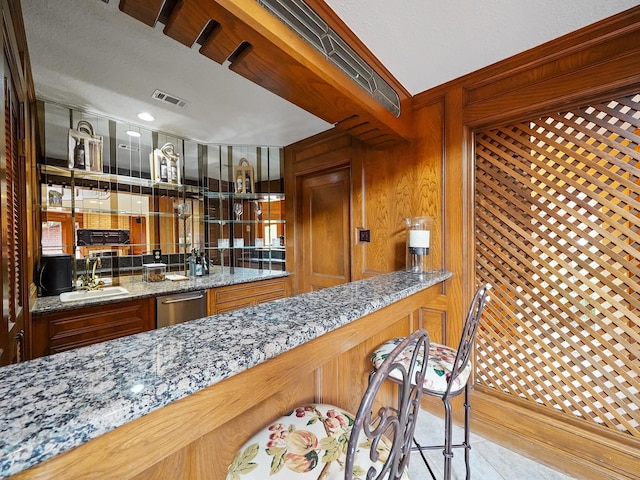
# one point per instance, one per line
(425, 43)
(88, 54)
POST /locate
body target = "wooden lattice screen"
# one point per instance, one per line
(558, 237)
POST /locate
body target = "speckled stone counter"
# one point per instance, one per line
(52, 404)
(219, 277)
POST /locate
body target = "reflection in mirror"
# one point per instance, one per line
(83, 212)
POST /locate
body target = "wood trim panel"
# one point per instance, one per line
(147, 12)
(265, 51)
(558, 64)
(434, 321)
(199, 419)
(612, 77)
(204, 458)
(346, 390)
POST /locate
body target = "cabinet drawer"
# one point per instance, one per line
(231, 293)
(234, 297)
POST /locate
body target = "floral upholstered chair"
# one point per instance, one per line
(447, 376)
(315, 442)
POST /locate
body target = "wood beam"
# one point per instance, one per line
(264, 50)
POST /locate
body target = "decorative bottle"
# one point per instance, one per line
(239, 183)
(164, 173)
(79, 155)
(192, 264)
(205, 263)
(198, 266)
(174, 170)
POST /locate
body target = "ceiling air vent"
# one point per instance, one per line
(167, 97)
(300, 18)
(124, 146)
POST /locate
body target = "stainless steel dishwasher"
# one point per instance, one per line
(182, 307)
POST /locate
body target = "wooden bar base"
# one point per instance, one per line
(197, 436)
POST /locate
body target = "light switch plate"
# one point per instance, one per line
(363, 235)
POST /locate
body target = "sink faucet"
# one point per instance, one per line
(90, 281)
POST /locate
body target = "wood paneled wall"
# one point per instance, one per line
(434, 175)
(598, 62)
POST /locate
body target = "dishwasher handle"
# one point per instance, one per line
(184, 299)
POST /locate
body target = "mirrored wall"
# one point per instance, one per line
(130, 196)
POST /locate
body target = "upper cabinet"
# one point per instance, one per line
(304, 55)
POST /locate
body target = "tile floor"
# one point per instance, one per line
(489, 461)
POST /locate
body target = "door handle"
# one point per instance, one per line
(178, 300)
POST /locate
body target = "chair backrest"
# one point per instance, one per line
(468, 334)
(390, 430)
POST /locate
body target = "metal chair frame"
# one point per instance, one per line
(393, 424)
(462, 358)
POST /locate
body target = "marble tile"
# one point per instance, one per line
(489, 461)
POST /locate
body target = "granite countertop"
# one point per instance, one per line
(219, 277)
(52, 404)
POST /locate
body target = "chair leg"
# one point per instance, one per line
(467, 439)
(448, 450)
(421, 449)
(448, 446)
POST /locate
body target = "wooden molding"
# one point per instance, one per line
(575, 447)
(341, 28)
(265, 51)
(599, 59)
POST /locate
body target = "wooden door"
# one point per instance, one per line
(138, 234)
(326, 253)
(167, 226)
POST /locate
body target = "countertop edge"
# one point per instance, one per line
(140, 290)
(53, 404)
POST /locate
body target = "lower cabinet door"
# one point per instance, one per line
(60, 331)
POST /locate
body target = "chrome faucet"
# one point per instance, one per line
(89, 281)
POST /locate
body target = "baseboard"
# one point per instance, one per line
(548, 437)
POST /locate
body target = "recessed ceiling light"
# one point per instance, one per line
(132, 133)
(147, 117)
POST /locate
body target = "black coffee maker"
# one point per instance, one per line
(55, 274)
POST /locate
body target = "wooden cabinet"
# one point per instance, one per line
(59, 331)
(234, 297)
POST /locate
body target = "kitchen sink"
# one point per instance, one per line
(80, 295)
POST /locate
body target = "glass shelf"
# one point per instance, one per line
(240, 222)
(251, 247)
(261, 197)
(128, 189)
(111, 178)
(98, 210)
